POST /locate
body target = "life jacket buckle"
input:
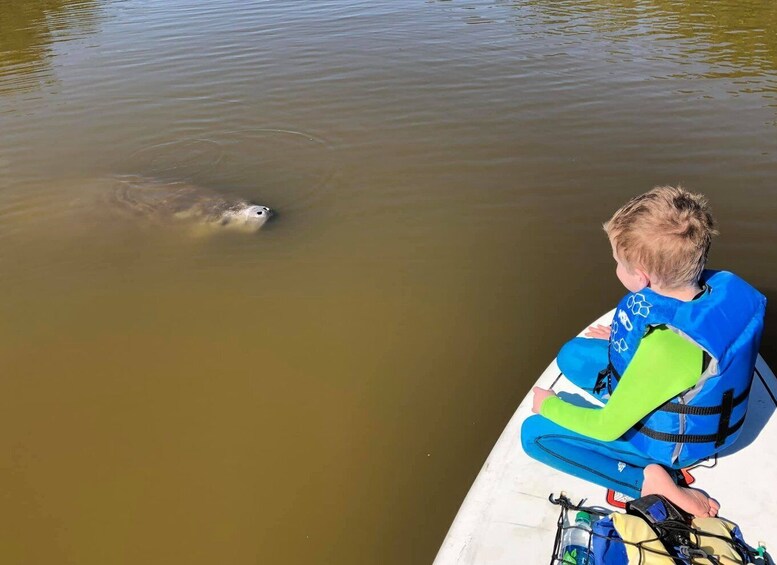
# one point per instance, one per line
(604, 380)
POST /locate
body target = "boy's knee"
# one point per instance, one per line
(572, 355)
(530, 431)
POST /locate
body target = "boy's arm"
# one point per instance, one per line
(663, 366)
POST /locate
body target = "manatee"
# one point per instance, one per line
(174, 201)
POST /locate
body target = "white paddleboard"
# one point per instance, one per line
(506, 517)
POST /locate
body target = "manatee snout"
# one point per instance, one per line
(257, 216)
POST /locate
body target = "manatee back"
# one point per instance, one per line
(160, 199)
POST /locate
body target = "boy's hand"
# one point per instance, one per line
(540, 394)
(598, 331)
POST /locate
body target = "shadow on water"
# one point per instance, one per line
(28, 32)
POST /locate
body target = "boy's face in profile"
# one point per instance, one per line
(632, 278)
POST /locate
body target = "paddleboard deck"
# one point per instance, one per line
(506, 517)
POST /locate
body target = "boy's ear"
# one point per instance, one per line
(644, 278)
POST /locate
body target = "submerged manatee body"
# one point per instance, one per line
(171, 201)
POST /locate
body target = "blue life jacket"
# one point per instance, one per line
(726, 322)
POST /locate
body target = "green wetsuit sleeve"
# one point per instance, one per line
(663, 366)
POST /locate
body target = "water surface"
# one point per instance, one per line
(326, 390)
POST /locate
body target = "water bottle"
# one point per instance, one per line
(575, 542)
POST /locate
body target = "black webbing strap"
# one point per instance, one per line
(728, 406)
(677, 408)
(724, 431)
(687, 438)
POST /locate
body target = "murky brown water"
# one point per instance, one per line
(325, 391)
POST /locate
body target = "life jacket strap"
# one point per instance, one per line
(724, 431)
(725, 416)
(677, 408)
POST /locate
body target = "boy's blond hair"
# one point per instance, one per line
(665, 232)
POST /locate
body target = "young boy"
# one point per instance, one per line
(674, 368)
